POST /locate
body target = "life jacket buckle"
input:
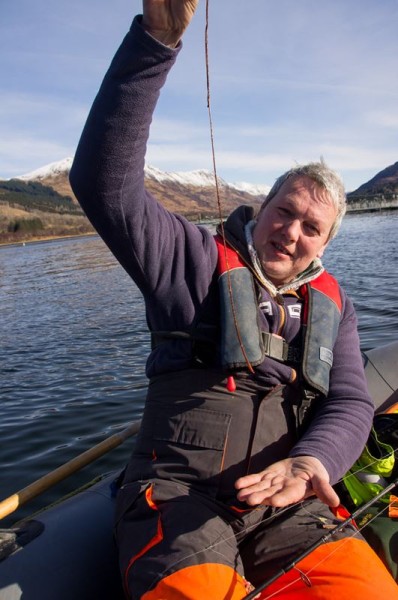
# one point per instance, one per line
(277, 347)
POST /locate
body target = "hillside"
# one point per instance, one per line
(31, 210)
(41, 203)
(383, 183)
(32, 195)
(189, 193)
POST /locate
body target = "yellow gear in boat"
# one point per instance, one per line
(366, 478)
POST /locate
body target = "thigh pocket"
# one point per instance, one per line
(191, 445)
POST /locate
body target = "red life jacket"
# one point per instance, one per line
(239, 305)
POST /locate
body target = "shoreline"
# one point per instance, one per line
(44, 239)
(51, 238)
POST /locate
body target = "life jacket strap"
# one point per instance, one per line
(274, 346)
(207, 335)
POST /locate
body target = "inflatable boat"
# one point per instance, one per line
(67, 552)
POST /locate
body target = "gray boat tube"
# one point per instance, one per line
(381, 368)
(67, 552)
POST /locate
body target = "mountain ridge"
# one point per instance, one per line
(384, 182)
(186, 192)
(41, 203)
(56, 175)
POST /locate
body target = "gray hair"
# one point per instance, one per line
(323, 176)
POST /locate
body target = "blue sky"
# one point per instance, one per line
(290, 82)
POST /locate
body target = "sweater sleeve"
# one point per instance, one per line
(162, 252)
(342, 421)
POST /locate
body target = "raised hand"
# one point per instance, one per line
(166, 20)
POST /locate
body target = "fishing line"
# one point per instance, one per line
(250, 526)
(325, 539)
(222, 539)
(304, 576)
(220, 215)
(221, 223)
(277, 513)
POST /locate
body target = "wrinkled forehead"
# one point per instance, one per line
(302, 185)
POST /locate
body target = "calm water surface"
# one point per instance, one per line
(74, 343)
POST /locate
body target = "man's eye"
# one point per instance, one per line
(313, 229)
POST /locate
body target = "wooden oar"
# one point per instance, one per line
(10, 504)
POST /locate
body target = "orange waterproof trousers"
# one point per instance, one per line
(185, 547)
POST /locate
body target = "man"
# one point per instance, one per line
(242, 427)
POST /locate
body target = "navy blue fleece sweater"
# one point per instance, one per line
(173, 262)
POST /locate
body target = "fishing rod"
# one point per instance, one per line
(325, 538)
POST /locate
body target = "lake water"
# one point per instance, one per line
(74, 343)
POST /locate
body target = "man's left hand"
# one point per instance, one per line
(286, 482)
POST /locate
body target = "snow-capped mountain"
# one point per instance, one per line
(203, 178)
(188, 192)
(198, 178)
(62, 167)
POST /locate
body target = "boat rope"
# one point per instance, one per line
(218, 195)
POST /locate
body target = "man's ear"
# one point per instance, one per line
(321, 251)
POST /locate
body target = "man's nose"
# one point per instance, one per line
(292, 230)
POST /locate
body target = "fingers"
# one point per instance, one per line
(255, 489)
(276, 490)
(166, 20)
(248, 480)
(279, 469)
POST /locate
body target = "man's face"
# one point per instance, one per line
(293, 229)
